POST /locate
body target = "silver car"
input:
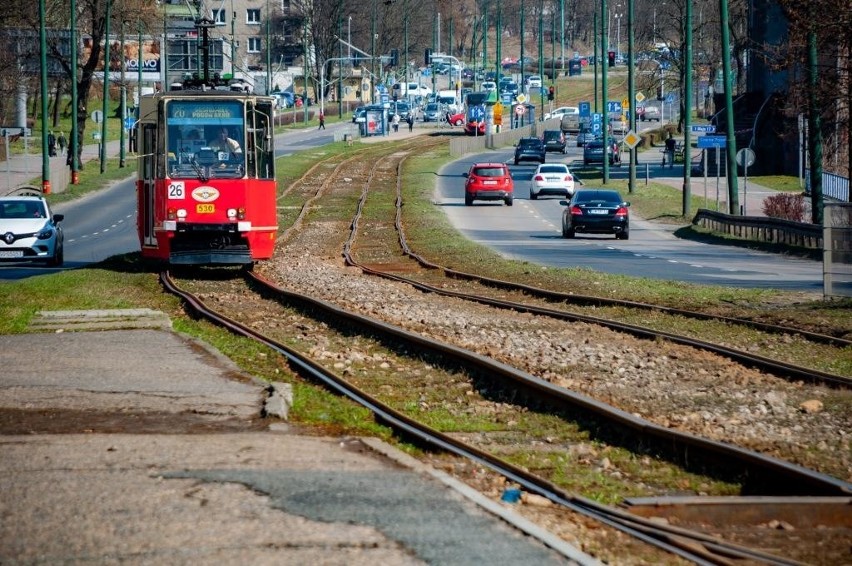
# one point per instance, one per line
(29, 232)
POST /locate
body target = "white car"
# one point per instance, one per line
(29, 232)
(488, 86)
(559, 112)
(533, 82)
(552, 179)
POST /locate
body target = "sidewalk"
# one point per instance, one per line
(22, 170)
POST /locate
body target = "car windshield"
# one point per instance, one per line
(488, 171)
(22, 209)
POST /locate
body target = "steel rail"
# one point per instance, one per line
(698, 547)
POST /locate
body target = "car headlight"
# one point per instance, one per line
(45, 234)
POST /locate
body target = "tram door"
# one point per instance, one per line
(148, 167)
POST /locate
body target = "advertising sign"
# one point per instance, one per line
(130, 57)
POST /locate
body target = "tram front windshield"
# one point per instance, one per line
(204, 139)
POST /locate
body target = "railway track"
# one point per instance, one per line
(694, 546)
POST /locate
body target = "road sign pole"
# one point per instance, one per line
(718, 170)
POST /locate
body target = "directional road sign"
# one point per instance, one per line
(613, 106)
(708, 129)
(706, 142)
(477, 113)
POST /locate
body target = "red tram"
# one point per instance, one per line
(206, 191)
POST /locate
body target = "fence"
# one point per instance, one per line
(833, 186)
(762, 229)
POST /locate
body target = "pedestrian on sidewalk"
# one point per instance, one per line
(410, 121)
(51, 145)
(62, 143)
(69, 159)
(395, 123)
(670, 151)
(322, 121)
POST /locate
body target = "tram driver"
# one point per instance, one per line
(225, 143)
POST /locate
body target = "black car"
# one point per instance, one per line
(554, 140)
(596, 211)
(593, 152)
(530, 149)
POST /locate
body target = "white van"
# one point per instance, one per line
(402, 90)
(449, 99)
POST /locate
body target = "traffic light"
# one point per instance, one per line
(427, 57)
(394, 57)
(551, 93)
(611, 56)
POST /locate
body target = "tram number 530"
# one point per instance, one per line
(177, 190)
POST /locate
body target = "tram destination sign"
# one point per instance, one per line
(185, 112)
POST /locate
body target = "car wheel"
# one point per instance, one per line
(58, 259)
(509, 201)
(533, 196)
(567, 232)
(625, 235)
(459, 122)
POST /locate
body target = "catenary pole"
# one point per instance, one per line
(686, 104)
(45, 150)
(731, 169)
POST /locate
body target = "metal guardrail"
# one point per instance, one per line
(763, 229)
(833, 186)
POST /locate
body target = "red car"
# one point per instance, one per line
(456, 119)
(489, 181)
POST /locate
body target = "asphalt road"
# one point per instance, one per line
(531, 231)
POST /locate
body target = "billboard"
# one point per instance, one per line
(130, 58)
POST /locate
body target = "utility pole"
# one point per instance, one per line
(45, 150)
(686, 104)
(269, 51)
(631, 91)
(814, 128)
(733, 190)
(604, 97)
(540, 60)
(123, 100)
(106, 90)
(75, 111)
(233, 41)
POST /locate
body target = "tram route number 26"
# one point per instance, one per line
(177, 190)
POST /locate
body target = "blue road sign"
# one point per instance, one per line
(670, 98)
(585, 108)
(596, 128)
(707, 142)
(709, 129)
(613, 106)
(476, 113)
(385, 98)
(597, 118)
(128, 123)
(506, 98)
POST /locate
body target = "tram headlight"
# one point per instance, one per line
(181, 213)
(237, 213)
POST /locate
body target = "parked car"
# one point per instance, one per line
(489, 181)
(552, 179)
(554, 140)
(530, 149)
(593, 152)
(29, 232)
(360, 114)
(648, 113)
(596, 211)
(432, 112)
